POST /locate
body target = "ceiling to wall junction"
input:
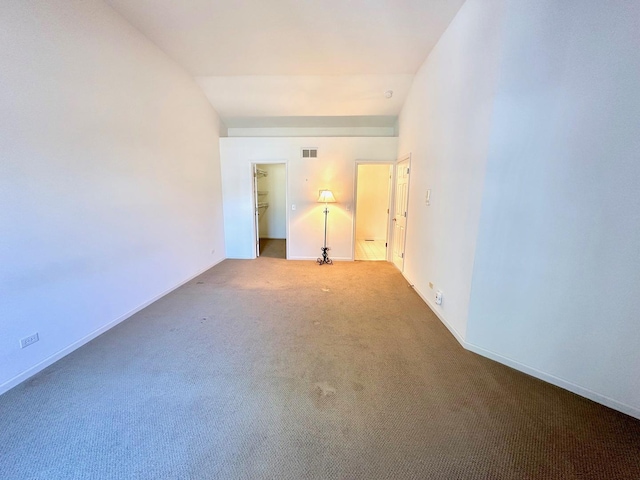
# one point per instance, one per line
(256, 58)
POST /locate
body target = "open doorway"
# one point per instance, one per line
(373, 192)
(270, 184)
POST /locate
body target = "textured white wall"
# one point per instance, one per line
(109, 179)
(373, 202)
(557, 270)
(334, 168)
(445, 125)
(273, 219)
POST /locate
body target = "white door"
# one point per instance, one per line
(400, 213)
(255, 209)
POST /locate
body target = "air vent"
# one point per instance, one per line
(309, 153)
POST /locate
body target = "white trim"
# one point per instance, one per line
(559, 382)
(21, 377)
(438, 314)
(336, 259)
(254, 209)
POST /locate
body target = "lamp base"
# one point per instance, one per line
(325, 257)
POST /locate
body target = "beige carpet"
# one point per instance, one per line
(273, 247)
(274, 369)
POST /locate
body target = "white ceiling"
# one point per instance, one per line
(296, 57)
(273, 96)
(378, 121)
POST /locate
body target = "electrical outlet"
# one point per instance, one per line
(431, 285)
(31, 339)
(438, 297)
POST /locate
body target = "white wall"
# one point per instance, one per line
(373, 202)
(109, 179)
(445, 125)
(273, 219)
(334, 168)
(557, 270)
(531, 110)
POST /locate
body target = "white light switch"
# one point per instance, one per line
(427, 198)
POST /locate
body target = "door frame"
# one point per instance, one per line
(401, 159)
(391, 164)
(256, 233)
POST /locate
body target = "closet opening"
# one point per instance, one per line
(373, 195)
(270, 201)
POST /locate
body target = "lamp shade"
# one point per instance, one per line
(326, 197)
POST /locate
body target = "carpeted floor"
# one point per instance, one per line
(273, 247)
(273, 369)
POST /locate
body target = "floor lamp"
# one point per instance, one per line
(325, 197)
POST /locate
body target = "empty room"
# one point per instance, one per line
(319, 239)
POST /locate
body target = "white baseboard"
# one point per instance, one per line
(559, 382)
(21, 377)
(433, 308)
(336, 259)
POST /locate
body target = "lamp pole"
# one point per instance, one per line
(325, 257)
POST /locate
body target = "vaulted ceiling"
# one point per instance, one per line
(275, 58)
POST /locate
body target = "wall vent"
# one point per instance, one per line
(309, 152)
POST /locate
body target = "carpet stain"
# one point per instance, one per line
(323, 395)
(38, 379)
(358, 387)
(324, 389)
